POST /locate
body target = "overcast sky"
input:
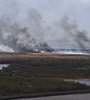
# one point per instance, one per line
(49, 11)
(53, 10)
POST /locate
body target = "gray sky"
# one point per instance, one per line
(50, 12)
(53, 10)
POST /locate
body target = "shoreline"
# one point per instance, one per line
(78, 79)
(86, 79)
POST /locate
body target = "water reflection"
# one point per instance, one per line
(87, 82)
(3, 65)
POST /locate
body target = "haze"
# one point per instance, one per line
(45, 21)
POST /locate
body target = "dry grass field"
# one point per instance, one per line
(29, 56)
(44, 55)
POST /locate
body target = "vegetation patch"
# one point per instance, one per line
(12, 86)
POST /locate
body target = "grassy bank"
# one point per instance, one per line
(51, 67)
(43, 94)
(15, 87)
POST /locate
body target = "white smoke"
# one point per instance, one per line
(4, 48)
(22, 28)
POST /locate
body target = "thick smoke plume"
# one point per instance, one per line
(80, 37)
(23, 36)
(26, 31)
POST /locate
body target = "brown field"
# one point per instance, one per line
(42, 55)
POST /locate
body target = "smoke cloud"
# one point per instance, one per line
(80, 37)
(22, 29)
